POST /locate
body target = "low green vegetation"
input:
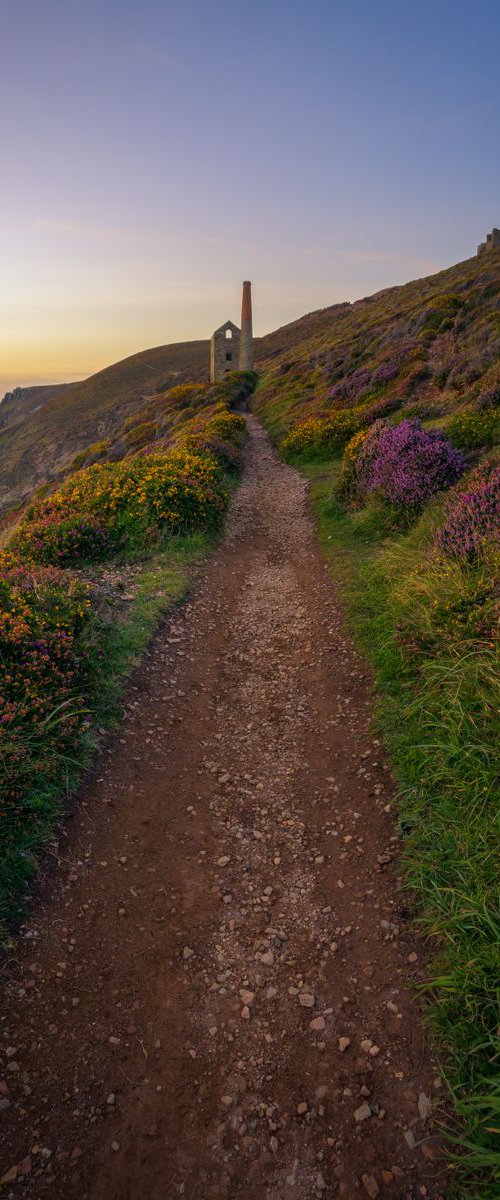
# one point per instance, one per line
(65, 652)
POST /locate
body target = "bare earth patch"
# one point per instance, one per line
(213, 999)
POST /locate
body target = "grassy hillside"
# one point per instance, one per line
(82, 413)
(44, 431)
(435, 342)
(16, 406)
(393, 412)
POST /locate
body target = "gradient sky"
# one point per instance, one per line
(157, 152)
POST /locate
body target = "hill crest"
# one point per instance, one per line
(64, 420)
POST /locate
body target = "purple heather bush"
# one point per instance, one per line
(384, 373)
(366, 454)
(407, 465)
(352, 386)
(473, 517)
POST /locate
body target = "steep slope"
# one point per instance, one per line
(79, 414)
(39, 443)
(435, 337)
(16, 406)
(434, 342)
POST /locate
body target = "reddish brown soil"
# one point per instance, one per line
(227, 909)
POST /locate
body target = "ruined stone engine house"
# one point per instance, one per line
(492, 242)
(231, 349)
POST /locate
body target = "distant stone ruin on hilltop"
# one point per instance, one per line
(231, 349)
(492, 242)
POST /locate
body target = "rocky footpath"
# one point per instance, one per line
(214, 998)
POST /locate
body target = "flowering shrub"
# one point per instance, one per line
(48, 656)
(385, 373)
(60, 541)
(473, 516)
(352, 386)
(45, 619)
(362, 457)
(184, 393)
(470, 429)
(109, 503)
(303, 436)
(227, 453)
(319, 434)
(406, 464)
(54, 645)
(226, 425)
(328, 434)
(353, 447)
(346, 487)
(220, 434)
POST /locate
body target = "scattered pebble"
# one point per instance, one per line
(362, 1113)
(424, 1106)
(318, 1024)
(371, 1186)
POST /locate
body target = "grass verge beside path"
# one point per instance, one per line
(119, 639)
(438, 709)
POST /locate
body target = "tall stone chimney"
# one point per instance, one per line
(246, 339)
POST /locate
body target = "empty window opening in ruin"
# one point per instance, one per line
(229, 333)
(229, 357)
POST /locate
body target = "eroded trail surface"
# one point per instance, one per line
(214, 998)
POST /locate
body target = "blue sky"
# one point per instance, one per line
(155, 154)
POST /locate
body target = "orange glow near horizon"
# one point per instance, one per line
(139, 195)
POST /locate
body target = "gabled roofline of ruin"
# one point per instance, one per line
(227, 325)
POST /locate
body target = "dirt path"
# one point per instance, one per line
(212, 1001)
